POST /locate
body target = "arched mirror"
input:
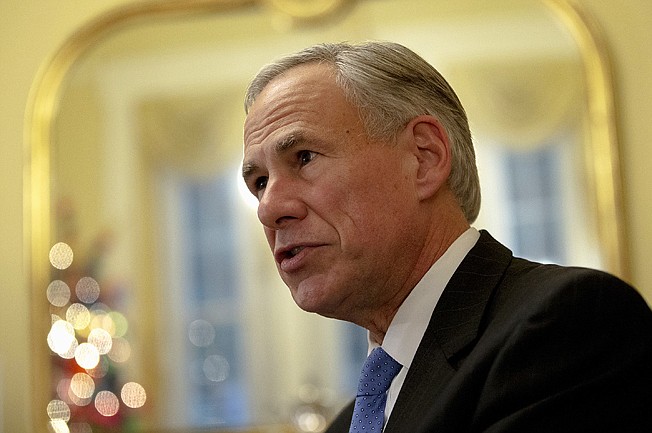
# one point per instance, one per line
(156, 304)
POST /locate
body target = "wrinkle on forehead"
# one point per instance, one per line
(277, 102)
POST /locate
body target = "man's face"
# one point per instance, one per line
(337, 209)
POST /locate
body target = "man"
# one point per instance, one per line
(362, 161)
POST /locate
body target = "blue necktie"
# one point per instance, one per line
(377, 375)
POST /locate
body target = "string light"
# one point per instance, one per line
(104, 333)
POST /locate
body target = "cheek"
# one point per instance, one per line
(362, 221)
(382, 206)
(361, 198)
(271, 237)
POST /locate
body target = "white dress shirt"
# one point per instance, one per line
(411, 320)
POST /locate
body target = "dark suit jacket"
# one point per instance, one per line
(517, 346)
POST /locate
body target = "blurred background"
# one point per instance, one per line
(139, 293)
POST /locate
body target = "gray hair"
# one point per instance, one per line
(391, 85)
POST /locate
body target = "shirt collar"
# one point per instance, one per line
(411, 320)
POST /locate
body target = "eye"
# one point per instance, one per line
(305, 156)
(260, 183)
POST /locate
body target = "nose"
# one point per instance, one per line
(281, 203)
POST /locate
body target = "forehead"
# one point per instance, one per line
(302, 97)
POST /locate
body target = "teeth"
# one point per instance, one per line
(294, 251)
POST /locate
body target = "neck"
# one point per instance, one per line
(439, 241)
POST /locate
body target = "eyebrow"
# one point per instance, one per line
(248, 169)
(281, 146)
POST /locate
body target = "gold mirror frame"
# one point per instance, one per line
(602, 157)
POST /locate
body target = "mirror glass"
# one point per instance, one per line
(164, 309)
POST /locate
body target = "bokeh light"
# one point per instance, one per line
(70, 353)
(133, 395)
(61, 337)
(58, 293)
(58, 410)
(89, 331)
(216, 368)
(79, 401)
(101, 339)
(201, 333)
(63, 387)
(120, 350)
(100, 370)
(87, 356)
(87, 290)
(107, 403)
(311, 422)
(101, 319)
(120, 323)
(82, 385)
(59, 426)
(61, 255)
(78, 316)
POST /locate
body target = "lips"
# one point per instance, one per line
(291, 257)
(288, 252)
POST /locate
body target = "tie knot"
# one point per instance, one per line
(378, 372)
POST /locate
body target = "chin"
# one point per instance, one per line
(306, 302)
(313, 298)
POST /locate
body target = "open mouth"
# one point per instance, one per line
(294, 258)
(293, 252)
(289, 253)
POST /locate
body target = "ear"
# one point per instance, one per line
(432, 149)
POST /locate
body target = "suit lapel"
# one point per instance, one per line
(451, 333)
